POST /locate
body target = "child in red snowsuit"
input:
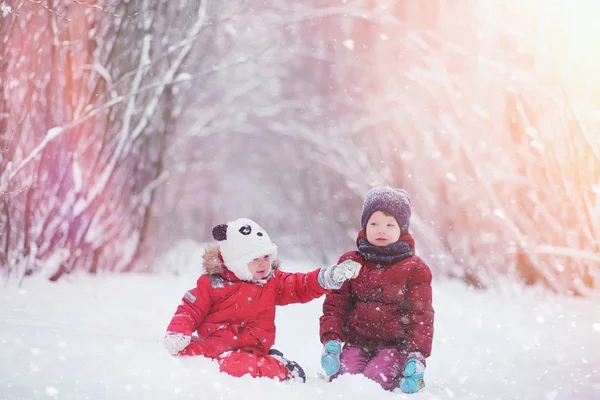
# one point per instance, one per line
(380, 324)
(232, 308)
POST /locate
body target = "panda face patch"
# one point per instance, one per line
(220, 231)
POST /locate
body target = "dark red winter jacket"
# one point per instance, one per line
(385, 306)
(229, 314)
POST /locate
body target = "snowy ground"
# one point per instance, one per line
(100, 338)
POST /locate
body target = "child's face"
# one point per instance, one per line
(382, 229)
(260, 267)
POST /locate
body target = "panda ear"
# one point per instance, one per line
(219, 232)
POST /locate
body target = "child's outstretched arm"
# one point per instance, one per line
(301, 288)
(297, 287)
(190, 313)
(420, 310)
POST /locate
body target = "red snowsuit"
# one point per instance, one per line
(238, 317)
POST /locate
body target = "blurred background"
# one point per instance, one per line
(129, 128)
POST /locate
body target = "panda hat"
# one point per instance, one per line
(241, 241)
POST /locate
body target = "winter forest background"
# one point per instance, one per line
(129, 127)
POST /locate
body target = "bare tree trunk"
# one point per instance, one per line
(148, 207)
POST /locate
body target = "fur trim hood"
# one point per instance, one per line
(213, 262)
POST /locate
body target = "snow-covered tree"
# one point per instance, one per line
(90, 99)
(138, 124)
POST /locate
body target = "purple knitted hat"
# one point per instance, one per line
(394, 201)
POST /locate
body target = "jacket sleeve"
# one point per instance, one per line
(336, 307)
(335, 310)
(193, 309)
(420, 310)
(297, 287)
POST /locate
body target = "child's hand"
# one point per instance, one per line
(334, 276)
(330, 358)
(413, 372)
(345, 270)
(175, 342)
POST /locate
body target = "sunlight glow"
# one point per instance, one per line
(578, 22)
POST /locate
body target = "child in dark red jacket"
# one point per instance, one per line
(384, 317)
(232, 308)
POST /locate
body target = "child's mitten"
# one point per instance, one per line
(330, 358)
(413, 372)
(334, 276)
(175, 342)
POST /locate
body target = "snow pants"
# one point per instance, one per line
(383, 366)
(240, 363)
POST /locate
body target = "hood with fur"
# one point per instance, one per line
(213, 262)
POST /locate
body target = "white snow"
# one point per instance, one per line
(101, 338)
(5, 9)
(451, 177)
(53, 132)
(77, 176)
